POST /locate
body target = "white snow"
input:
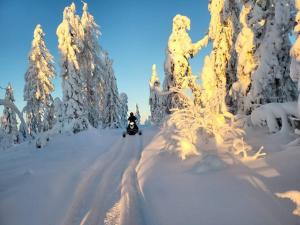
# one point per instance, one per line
(218, 189)
(269, 113)
(204, 165)
(98, 177)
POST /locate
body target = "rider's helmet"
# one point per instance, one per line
(131, 114)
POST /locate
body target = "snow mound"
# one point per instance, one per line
(209, 163)
(269, 113)
(190, 193)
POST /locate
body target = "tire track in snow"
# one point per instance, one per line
(109, 193)
(129, 209)
(84, 192)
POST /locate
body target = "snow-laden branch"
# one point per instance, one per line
(269, 113)
(243, 149)
(199, 45)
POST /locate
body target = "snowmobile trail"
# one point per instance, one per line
(129, 209)
(108, 192)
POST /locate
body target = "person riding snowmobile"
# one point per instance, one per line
(133, 119)
(132, 128)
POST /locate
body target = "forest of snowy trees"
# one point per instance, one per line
(251, 76)
(90, 94)
(252, 70)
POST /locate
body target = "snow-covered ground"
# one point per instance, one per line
(97, 177)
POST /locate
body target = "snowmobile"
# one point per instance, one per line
(132, 129)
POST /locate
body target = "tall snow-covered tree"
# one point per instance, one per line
(92, 66)
(178, 73)
(123, 109)
(111, 115)
(155, 100)
(137, 115)
(58, 111)
(246, 61)
(71, 44)
(49, 118)
(230, 19)
(38, 85)
(271, 81)
(210, 122)
(9, 120)
(221, 62)
(295, 53)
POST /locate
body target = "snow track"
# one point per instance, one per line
(92, 178)
(108, 193)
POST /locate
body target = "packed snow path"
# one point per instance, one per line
(97, 177)
(103, 194)
(87, 180)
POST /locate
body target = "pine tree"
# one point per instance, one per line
(49, 118)
(271, 81)
(71, 44)
(58, 110)
(9, 122)
(230, 18)
(295, 53)
(155, 100)
(246, 62)
(123, 109)
(38, 85)
(209, 79)
(222, 31)
(178, 73)
(111, 115)
(92, 66)
(148, 122)
(198, 124)
(137, 115)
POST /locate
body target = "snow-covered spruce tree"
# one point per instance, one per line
(222, 60)
(178, 73)
(137, 115)
(9, 122)
(271, 81)
(295, 53)
(58, 111)
(123, 109)
(49, 118)
(230, 19)
(253, 19)
(38, 85)
(71, 44)
(23, 130)
(155, 100)
(5, 140)
(92, 66)
(246, 61)
(210, 121)
(148, 122)
(111, 115)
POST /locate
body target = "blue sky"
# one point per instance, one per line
(134, 32)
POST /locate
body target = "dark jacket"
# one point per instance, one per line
(132, 119)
